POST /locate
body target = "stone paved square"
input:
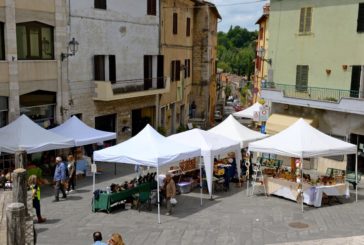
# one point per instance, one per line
(231, 218)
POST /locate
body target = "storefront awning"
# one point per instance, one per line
(278, 122)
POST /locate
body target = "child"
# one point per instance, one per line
(33, 183)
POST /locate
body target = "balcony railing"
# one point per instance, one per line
(137, 85)
(313, 93)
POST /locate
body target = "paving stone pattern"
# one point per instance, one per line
(231, 218)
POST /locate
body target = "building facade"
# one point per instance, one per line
(204, 69)
(262, 64)
(316, 49)
(116, 77)
(176, 42)
(32, 38)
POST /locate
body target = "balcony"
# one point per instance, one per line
(321, 98)
(37, 70)
(126, 89)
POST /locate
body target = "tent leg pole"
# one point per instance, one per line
(356, 177)
(302, 182)
(158, 200)
(199, 162)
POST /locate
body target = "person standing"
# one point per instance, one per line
(115, 239)
(98, 238)
(34, 187)
(71, 173)
(170, 188)
(60, 178)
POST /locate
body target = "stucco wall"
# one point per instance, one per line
(333, 42)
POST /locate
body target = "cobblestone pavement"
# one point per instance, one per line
(231, 218)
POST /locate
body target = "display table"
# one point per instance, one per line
(312, 195)
(105, 200)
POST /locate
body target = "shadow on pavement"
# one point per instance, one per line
(40, 230)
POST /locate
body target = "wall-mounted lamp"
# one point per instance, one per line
(73, 48)
(328, 72)
(261, 53)
(345, 67)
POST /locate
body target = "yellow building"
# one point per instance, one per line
(261, 67)
(176, 43)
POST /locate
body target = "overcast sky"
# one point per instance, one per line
(243, 13)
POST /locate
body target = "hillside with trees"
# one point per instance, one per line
(236, 51)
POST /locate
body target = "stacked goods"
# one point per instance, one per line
(188, 165)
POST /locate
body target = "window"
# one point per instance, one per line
(301, 78)
(3, 111)
(305, 20)
(151, 7)
(100, 4)
(2, 43)
(34, 41)
(188, 27)
(360, 27)
(187, 68)
(101, 72)
(175, 23)
(148, 72)
(175, 70)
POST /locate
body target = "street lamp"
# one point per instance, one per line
(261, 53)
(73, 48)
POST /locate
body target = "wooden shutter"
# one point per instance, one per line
(147, 71)
(175, 23)
(302, 20)
(178, 70)
(188, 27)
(355, 81)
(185, 70)
(301, 78)
(189, 67)
(100, 4)
(151, 7)
(308, 19)
(112, 68)
(360, 27)
(173, 72)
(99, 67)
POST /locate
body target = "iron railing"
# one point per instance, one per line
(137, 85)
(313, 93)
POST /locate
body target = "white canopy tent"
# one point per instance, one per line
(147, 148)
(81, 133)
(234, 130)
(211, 145)
(24, 134)
(249, 112)
(301, 140)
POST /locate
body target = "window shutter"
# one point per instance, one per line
(173, 71)
(178, 70)
(308, 20)
(189, 67)
(188, 27)
(175, 23)
(99, 67)
(301, 78)
(302, 20)
(100, 4)
(112, 68)
(360, 27)
(160, 71)
(154, 7)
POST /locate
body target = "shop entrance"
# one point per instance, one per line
(40, 107)
(358, 140)
(142, 117)
(106, 123)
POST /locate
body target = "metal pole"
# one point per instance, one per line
(356, 176)
(199, 162)
(302, 182)
(159, 207)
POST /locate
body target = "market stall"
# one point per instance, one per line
(147, 148)
(25, 135)
(81, 133)
(249, 112)
(301, 141)
(234, 130)
(211, 145)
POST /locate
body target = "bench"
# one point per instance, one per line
(349, 175)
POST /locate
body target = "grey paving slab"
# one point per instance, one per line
(231, 218)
